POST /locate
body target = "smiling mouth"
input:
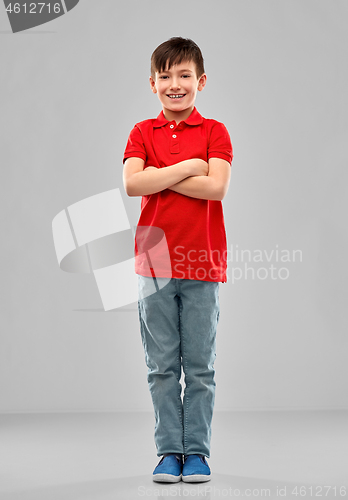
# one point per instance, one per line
(176, 96)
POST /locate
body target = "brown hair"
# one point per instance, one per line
(175, 51)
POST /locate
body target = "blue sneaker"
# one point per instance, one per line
(195, 469)
(168, 469)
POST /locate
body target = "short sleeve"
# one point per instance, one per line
(220, 145)
(135, 145)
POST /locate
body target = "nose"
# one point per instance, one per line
(175, 84)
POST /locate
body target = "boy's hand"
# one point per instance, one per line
(197, 166)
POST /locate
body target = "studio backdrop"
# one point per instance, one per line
(72, 88)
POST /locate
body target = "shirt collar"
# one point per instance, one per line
(195, 118)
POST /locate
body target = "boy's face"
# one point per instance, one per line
(180, 80)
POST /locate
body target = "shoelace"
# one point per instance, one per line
(176, 456)
(202, 457)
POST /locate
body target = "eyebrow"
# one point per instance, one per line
(182, 70)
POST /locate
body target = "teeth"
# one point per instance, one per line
(176, 96)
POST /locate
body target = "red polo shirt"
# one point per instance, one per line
(188, 233)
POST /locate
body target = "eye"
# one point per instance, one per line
(163, 77)
(186, 76)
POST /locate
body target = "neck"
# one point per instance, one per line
(177, 116)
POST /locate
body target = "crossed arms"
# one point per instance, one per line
(195, 178)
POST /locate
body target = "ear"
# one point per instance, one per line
(202, 82)
(153, 85)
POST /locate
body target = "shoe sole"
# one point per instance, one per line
(166, 478)
(196, 478)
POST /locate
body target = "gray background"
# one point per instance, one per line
(71, 91)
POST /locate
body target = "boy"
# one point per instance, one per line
(180, 164)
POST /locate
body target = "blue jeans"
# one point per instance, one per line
(178, 328)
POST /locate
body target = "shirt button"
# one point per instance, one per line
(174, 136)
(171, 126)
